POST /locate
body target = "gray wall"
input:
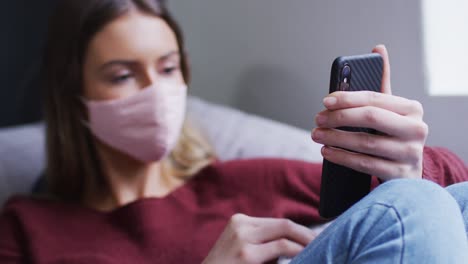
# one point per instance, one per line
(272, 57)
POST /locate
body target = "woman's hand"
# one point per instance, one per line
(258, 240)
(397, 152)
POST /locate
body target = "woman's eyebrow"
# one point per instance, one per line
(168, 55)
(132, 62)
(117, 62)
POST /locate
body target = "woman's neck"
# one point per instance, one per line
(128, 180)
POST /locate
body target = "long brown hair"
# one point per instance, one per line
(72, 159)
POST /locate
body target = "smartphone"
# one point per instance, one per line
(341, 186)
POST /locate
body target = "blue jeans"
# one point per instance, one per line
(402, 221)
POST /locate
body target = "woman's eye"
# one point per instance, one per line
(169, 70)
(121, 78)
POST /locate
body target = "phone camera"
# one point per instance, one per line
(345, 78)
(346, 72)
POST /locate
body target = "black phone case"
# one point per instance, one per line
(341, 186)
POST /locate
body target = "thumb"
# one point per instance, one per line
(386, 83)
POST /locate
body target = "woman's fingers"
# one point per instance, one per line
(268, 229)
(386, 84)
(379, 119)
(398, 153)
(384, 169)
(273, 250)
(375, 145)
(396, 104)
(257, 240)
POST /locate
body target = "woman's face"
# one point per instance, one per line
(131, 53)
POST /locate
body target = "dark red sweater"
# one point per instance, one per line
(182, 227)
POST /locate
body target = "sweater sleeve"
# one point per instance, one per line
(296, 185)
(278, 188)
(298, 182)
(443, 167)
(10, 250)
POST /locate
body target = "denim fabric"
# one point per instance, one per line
(460, 193)
(402, 221)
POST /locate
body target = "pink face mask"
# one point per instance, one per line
(146, 126)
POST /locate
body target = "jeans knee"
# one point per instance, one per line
(459, 191)
(417, 196)
(423, 209)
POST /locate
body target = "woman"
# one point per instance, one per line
(130, 182)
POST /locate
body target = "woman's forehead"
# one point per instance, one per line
(134, 36)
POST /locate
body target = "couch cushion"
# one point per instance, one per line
(236, 134)
(22, 158)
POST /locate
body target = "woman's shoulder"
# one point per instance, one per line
(28, 202)
(30, 209)
(22, 203)
(25, 207)
(22, 211)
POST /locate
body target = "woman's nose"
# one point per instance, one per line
(149, 78)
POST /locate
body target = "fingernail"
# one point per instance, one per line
(380, 46)
(329, 101)
(317, 134)
(325, 151)
(321, 119)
